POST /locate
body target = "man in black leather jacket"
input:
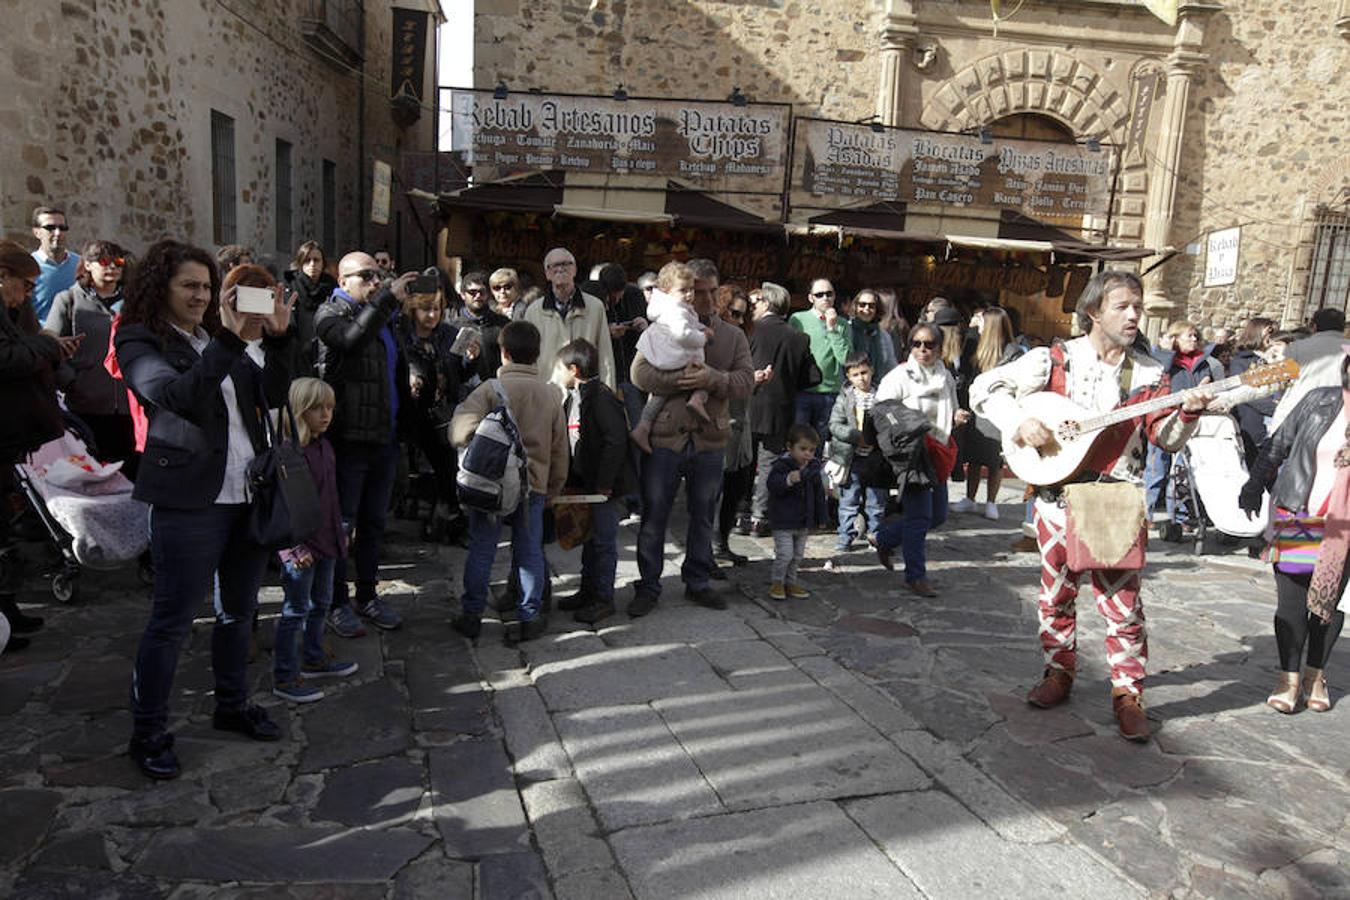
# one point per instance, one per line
(361, 358)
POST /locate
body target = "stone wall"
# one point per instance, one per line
(1267, 139)
(819, 56)
(109, 116)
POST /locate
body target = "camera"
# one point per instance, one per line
(427, 283)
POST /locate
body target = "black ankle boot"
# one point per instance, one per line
(18, 622)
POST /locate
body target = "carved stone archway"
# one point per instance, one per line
(1046, 81)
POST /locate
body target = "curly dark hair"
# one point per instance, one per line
(146, 286)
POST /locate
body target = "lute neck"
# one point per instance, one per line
(1131, 411)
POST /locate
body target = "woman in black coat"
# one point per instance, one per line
(205, 374)
(310, 284)
(31, 417)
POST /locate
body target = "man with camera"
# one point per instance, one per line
(360, 357)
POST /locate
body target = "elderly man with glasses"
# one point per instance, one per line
(361, 358)
(565, 314)
(831, 342)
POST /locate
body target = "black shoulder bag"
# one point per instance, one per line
(285, 507)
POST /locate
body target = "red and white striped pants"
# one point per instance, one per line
(1117, 593)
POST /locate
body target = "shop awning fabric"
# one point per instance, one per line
(543, 193)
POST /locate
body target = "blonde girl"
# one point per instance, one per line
(307, 568)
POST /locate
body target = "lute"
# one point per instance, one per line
(1076, 429)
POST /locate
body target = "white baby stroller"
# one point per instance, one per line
(1206, 476)
(86, 507)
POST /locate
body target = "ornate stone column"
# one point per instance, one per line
(898, 32)
(1185, 60)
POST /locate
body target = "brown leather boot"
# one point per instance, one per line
(1130, 715)
(1053, 689)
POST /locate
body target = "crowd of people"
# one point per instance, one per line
(572, 407)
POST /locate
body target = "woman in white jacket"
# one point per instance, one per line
(923, 384)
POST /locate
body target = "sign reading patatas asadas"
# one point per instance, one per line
(1037, 178)
(735, 147)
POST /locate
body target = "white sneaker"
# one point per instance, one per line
(964, 505)
(991, 511)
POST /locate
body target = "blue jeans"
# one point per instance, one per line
(308, 594)
(922, 510)
(365, 476)
(852, 496)
(1158, 483)
(660, 480)
(527, 556)
(188, 547)
(600, 554)
(814, 409)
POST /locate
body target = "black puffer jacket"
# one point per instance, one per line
(1292, 450)
(28, 361)
(899, 435)
(354, 361)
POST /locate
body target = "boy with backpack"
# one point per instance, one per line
(522, 427)
(597, 429)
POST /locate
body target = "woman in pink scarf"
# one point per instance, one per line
(1311, 524)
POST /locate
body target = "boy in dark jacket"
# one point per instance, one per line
(849, 448)
(796, 505)
(597, 432)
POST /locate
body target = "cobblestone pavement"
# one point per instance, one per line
(856, 744)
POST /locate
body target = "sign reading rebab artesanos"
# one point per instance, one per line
(736, 147)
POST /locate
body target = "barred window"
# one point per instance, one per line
(283, 186)
(330, 207)
(1329, 279)
(224, 198)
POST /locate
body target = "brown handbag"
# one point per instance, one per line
(1105, 525)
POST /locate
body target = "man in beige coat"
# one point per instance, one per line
(539, 419)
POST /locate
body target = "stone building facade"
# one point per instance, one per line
(1234, 115)
(110, 108)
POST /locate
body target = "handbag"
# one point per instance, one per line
(1105, 526)
(284, 510)
(439, 414)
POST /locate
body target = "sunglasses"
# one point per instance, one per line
(364, 275)
(53, 227)
(502, 287)
(923, 345)
(108, 262)
(865, 306)
(736, 313)
(823, 294)
(475, 291)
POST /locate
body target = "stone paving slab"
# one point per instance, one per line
(626, 675)
(475, 804)
(806, 850)
(678, 625)
(261, 853)
(632, 768)
(769, 747)
(565, 828)
(374, 794)
(371, 721)
(918, 831)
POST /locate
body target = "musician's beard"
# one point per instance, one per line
(1120, 339)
